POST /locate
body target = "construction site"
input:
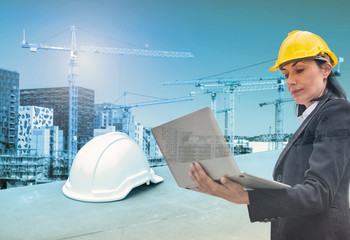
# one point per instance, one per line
(33, 164)
(49, 134)
(100, 136)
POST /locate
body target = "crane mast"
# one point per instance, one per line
(279, 118)
(73, 100)
(73, 73)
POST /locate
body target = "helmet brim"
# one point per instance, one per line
(279, 66)
(274, 68)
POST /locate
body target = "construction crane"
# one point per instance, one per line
(126, 107)
(279, 119)
(73, 67)
(233, 85)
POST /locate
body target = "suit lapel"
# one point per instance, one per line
(299, 131)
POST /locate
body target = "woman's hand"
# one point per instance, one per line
(227, 190)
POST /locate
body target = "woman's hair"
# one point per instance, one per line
(332, 86)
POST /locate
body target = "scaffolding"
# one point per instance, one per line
(59, 168)
(20, 170)
(23, 170)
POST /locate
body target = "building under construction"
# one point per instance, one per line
(39, 156)
(21, 170)
(107, 114)
(41, 159)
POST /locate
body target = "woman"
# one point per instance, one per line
(315, 162)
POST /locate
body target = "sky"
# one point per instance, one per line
(222, 35)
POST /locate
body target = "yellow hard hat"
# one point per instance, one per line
(303, 45)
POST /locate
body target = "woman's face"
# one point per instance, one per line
(306, 80)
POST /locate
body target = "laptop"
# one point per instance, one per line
(197, 137)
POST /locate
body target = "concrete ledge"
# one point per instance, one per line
(158, 211)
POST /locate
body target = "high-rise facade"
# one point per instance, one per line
(144, 138)
(36, 133)
(58, 100)
(150, 146)
(9, 102)
(107, 114)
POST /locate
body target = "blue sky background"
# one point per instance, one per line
(223, 35)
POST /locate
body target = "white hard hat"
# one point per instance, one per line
(107, 168)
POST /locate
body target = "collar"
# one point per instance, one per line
(307, 112)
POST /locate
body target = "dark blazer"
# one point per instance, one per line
(315, 163)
